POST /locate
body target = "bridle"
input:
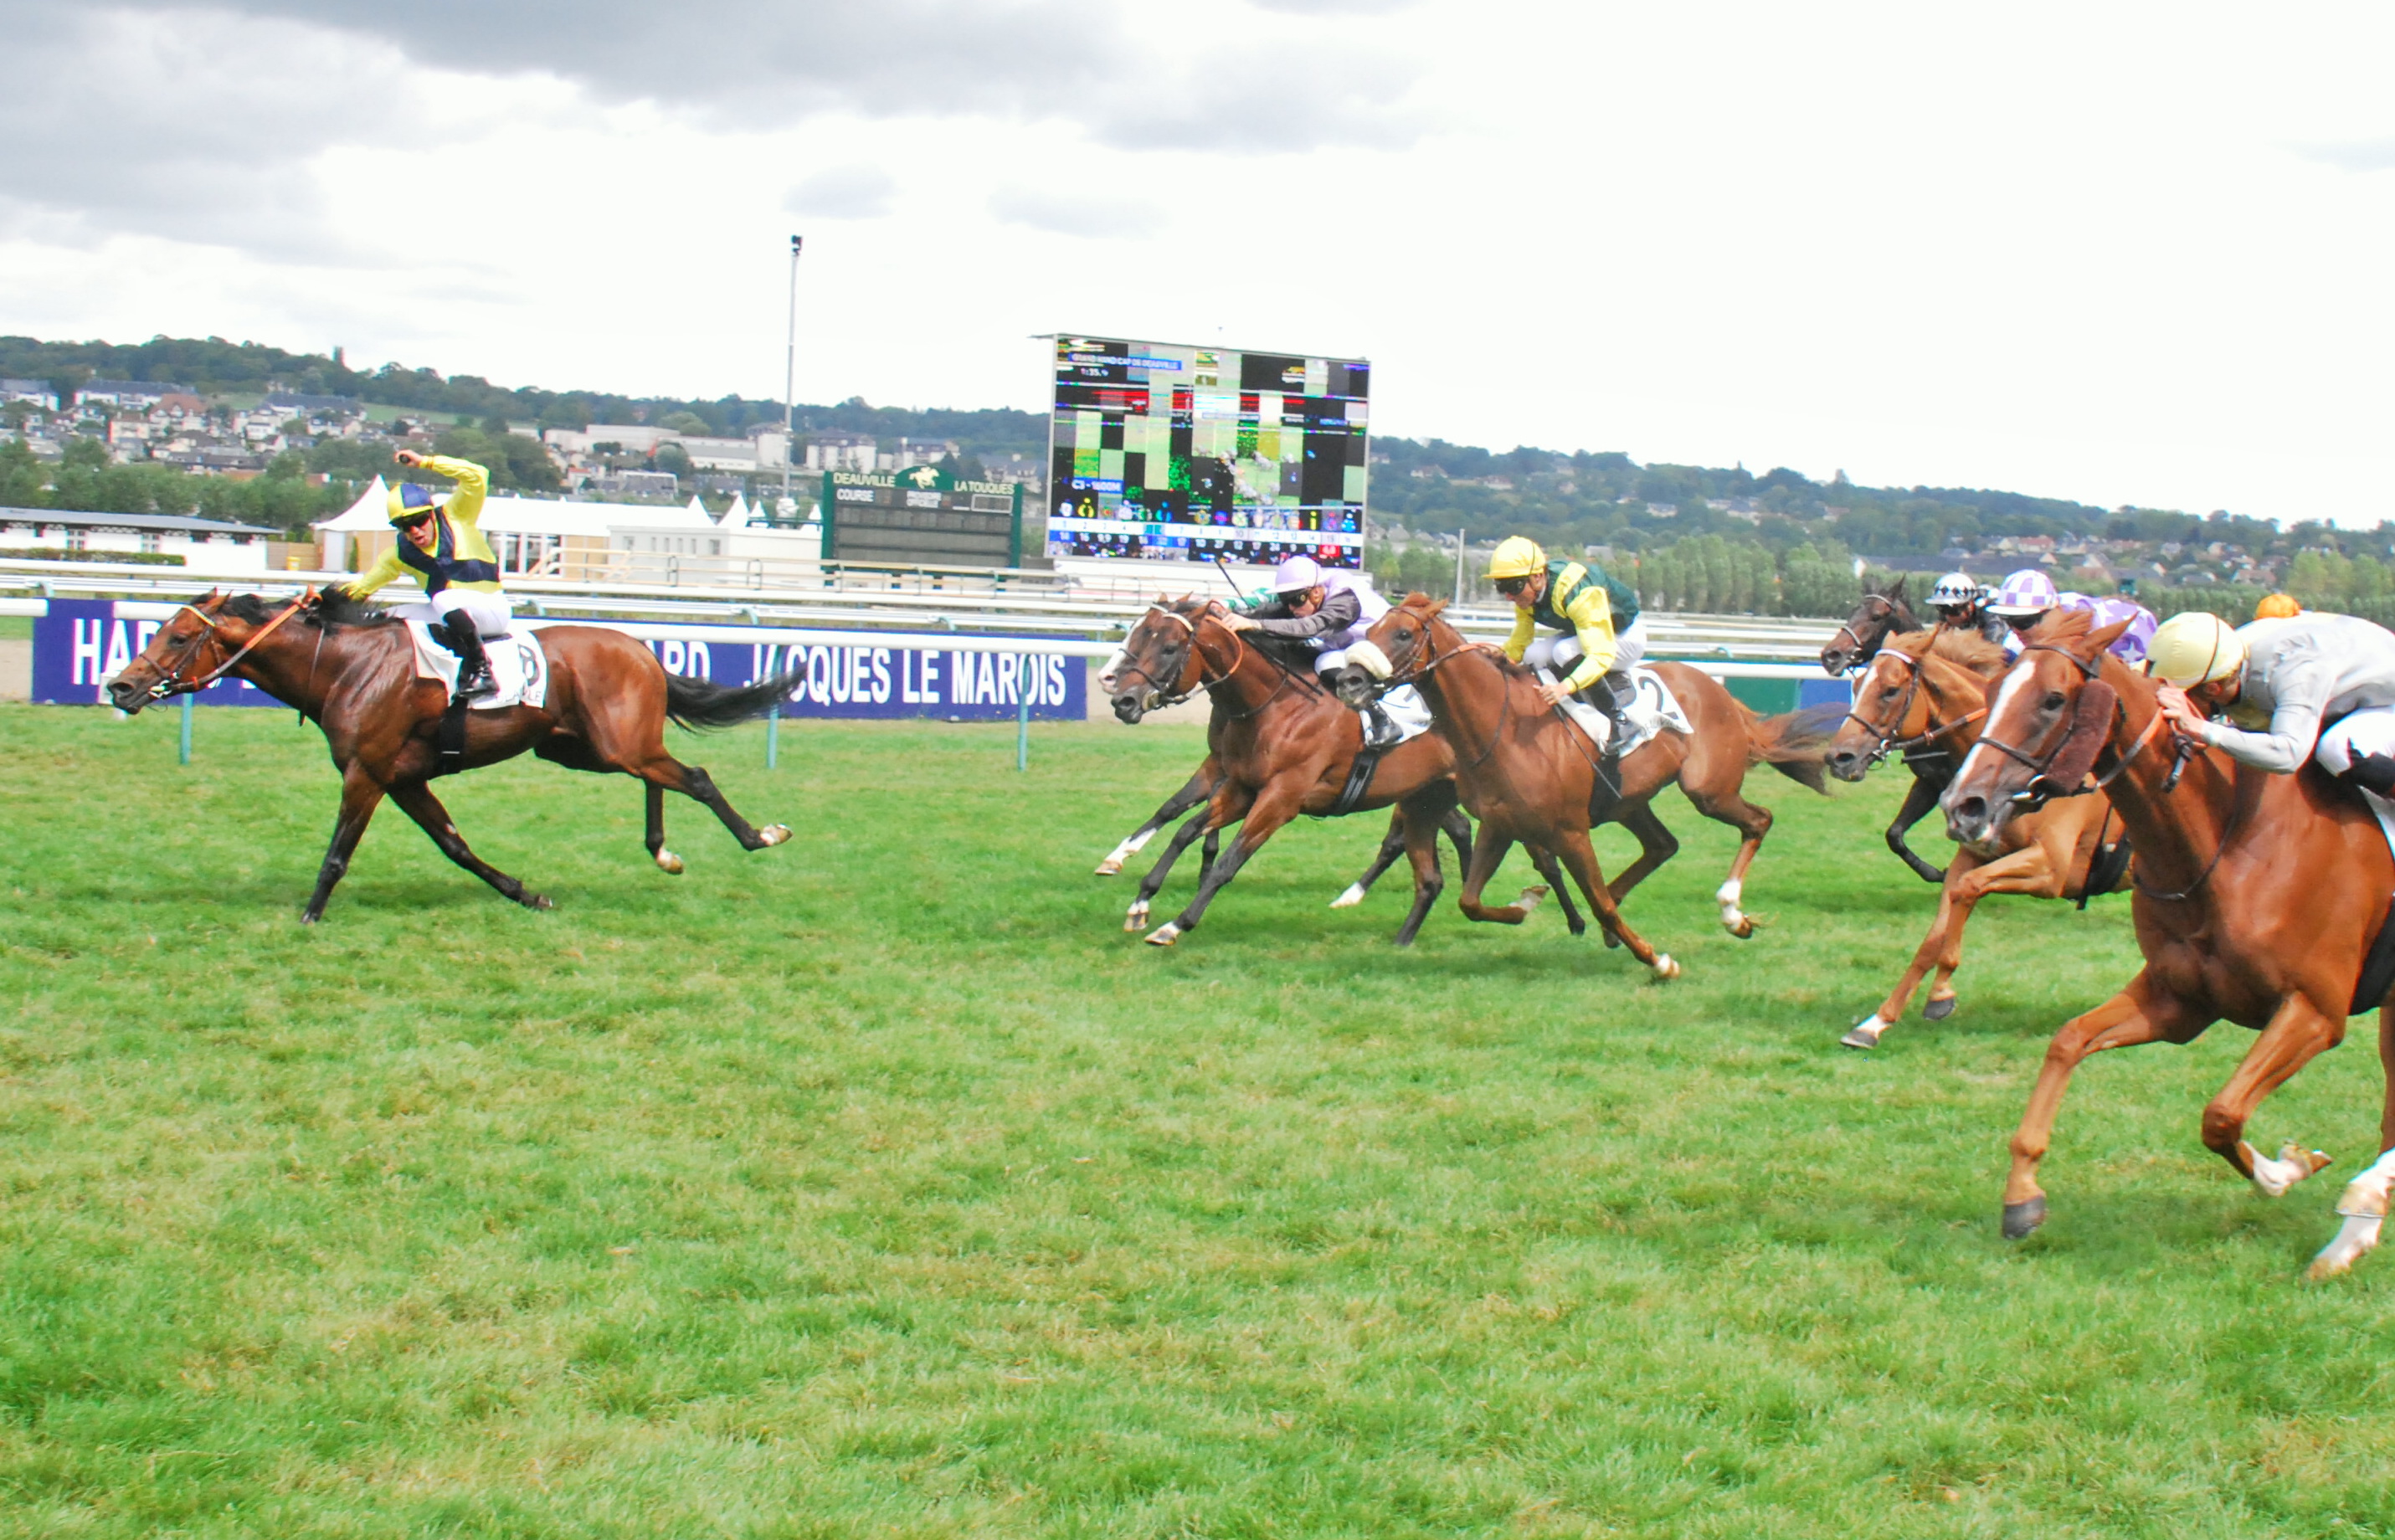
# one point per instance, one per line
(2042, 785)
(1397, 675)
(1884, 736)
(1207, 680)
(1887, 612)
(174, 684)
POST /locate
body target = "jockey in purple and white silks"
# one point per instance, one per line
(1328, 610)
(2029, 594)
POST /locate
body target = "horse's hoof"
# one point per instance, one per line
(1938, 1010)
(1744, 928)
(772, 834)
(668, 862)
(1866, 1033)
(1351, 898)
(2318, 1160)
(1109, 866)
(1665, 968)
(1164, 935)
(535, 901)
(1611, 939)
(1530, 899)
(1135, 918)
(2021, 1218)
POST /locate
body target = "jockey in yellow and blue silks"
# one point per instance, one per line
(440, 543)
(1604, 636)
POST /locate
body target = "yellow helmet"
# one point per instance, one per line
(2193, 649)
(1516, 556)
(2278, 607)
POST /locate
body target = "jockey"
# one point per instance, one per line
(1600, 611)
(2026, 595)
(1328, 610)
(2277, 681)
(440, 542)
(1962, 605)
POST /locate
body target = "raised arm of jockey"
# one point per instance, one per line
(463, 505)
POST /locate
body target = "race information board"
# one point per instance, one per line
(1160, 450)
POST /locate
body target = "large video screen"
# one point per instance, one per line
(1165, 451)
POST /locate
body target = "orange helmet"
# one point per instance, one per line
(2278, 607)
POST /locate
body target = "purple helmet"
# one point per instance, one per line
(2027, 592)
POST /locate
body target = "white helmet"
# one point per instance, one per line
(1954, 588)
(2193, 649)
(1296, 574)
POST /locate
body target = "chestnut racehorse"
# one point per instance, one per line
(354, 673)
(1283, 745)
(1925, 693)
(2257, 898)
(1530, 775)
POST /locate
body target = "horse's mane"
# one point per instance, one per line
(1436, 609)
(2060, 625)
(1965, 649)
(332, 609)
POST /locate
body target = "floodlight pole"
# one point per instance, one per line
(791, 375)
(1459, 568)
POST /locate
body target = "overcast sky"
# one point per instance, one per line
(2111, 253)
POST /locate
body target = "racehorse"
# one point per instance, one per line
(1283, 744)
(1880, 615)
(354, 674)
(1528, 775)
(2257, 896)
(1926, 694)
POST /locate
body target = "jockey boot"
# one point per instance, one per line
(1602, 696)
(465, 639)
(2374, 772)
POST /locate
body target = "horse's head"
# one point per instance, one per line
(1889, 705)
(2051, 718)
(1879, 615)
(184, 649)
(1159, 662)
(1395, 651)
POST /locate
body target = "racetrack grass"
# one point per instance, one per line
(879, 1184)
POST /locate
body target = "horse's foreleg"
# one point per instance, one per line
(666, 861)
(1656, 846)
(1729, 805)
(1135, 917)
(1580, 859)
(1264, 818)
(1549, 868)
(2132, 1016)
(1918, 800)
(1199, 787)
(359, 793)
(1866, 1033)
(1420, 835)
(2364, 1206)
(417, 800)
(696, 784)
(1488, 850)
(1458, 825)
(1392, 844)
(2299, 1031)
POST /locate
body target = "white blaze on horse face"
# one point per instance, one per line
(2004, 694)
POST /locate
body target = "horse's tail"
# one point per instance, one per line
(704, 704)
(1795, 743)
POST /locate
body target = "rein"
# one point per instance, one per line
(175, 684)
(1398, 676)
(1884, 736)
(1885, 615)
(1206, 680)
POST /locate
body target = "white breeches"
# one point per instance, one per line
(2359, 735)
(1560, 652)
(488, 611)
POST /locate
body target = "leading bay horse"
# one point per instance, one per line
(1530, 775)
(1926, 694)
(1283, 745)
(354, 673)
(2257, 898)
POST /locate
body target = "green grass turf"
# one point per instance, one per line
(15, 629)
(879, 1184)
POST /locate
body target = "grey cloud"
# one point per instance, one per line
(767, 62)
(1073, 214)
(843, 192)
(2352, 155)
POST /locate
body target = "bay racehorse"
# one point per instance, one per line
(1925, 693)
(1880, 615)
(1283, 745)
(1532, 776)
(2257, 896)
(354, 673)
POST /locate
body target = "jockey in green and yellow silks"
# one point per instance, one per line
(1602, 635)
(440, 542)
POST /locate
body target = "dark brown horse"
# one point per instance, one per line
(1927, 691)
(1530, 775)
(354, 674)
(1284, 745)
(2257, 898)
(1881, 614)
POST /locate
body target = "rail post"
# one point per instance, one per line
(773, 736)
(1023, 712)
(183, 735)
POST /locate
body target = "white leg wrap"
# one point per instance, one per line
(668, 861)
(2292, 1165)
(1866, 1033)
(2363, 1208)
(1726, 895)
(1351, 898)
(1665, 967)
(1164, 935)
(1136, 916)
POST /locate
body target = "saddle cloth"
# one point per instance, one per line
(1402, 715)
(1652, 709)
(518, 666)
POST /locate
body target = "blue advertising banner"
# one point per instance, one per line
(83, 643)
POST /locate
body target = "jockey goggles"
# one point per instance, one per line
(1509, 586)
